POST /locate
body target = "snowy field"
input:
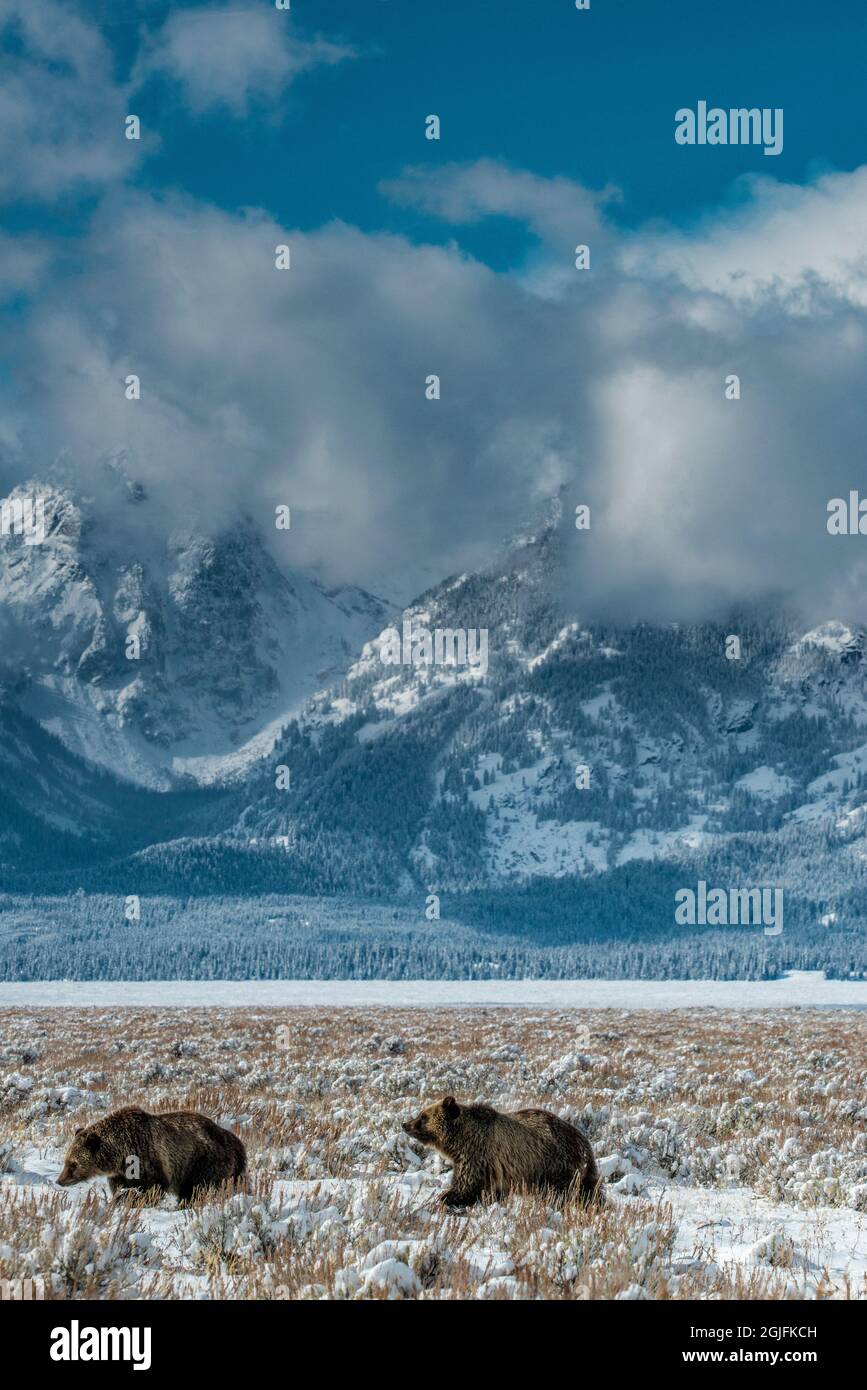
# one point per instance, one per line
(807, 988)
(732, 1142)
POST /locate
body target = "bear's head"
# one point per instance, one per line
(88, 1157)
(436, 1125)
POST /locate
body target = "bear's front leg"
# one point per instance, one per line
(455, 1200)
(464, 1191)
(122, 1188)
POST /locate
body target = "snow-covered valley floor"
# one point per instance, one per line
(733, 1143)
(807, 988)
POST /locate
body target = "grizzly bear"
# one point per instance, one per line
(178, 1152)
(494, 1154)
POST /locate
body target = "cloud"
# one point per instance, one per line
(607, 387)
(23, 262)
(798, 245)
(233, 58)
(698, 501)
(61, 108)
(63, 105)
(559, 211)
(307, 386)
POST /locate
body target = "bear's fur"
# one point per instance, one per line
(177, 1152)
(495, 1153)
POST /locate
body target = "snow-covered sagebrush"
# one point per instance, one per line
(732, 1144)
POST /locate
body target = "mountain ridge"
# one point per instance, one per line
(411, 779)
(225, 644)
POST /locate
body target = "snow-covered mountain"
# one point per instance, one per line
(159, 660)
(581, 748)
(574, 753)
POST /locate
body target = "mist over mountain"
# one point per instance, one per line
(150, 656)
(271, 739)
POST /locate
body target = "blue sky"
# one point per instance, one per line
(590, 95)
(455, 257)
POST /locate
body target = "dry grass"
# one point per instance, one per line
(341, 1204)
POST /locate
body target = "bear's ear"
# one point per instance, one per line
(91, 1142)
(450, 1105)
(80, 1129)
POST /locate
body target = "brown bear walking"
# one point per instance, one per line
(494, 1154)
(177, 1152)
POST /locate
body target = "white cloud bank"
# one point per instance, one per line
(307, 386)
